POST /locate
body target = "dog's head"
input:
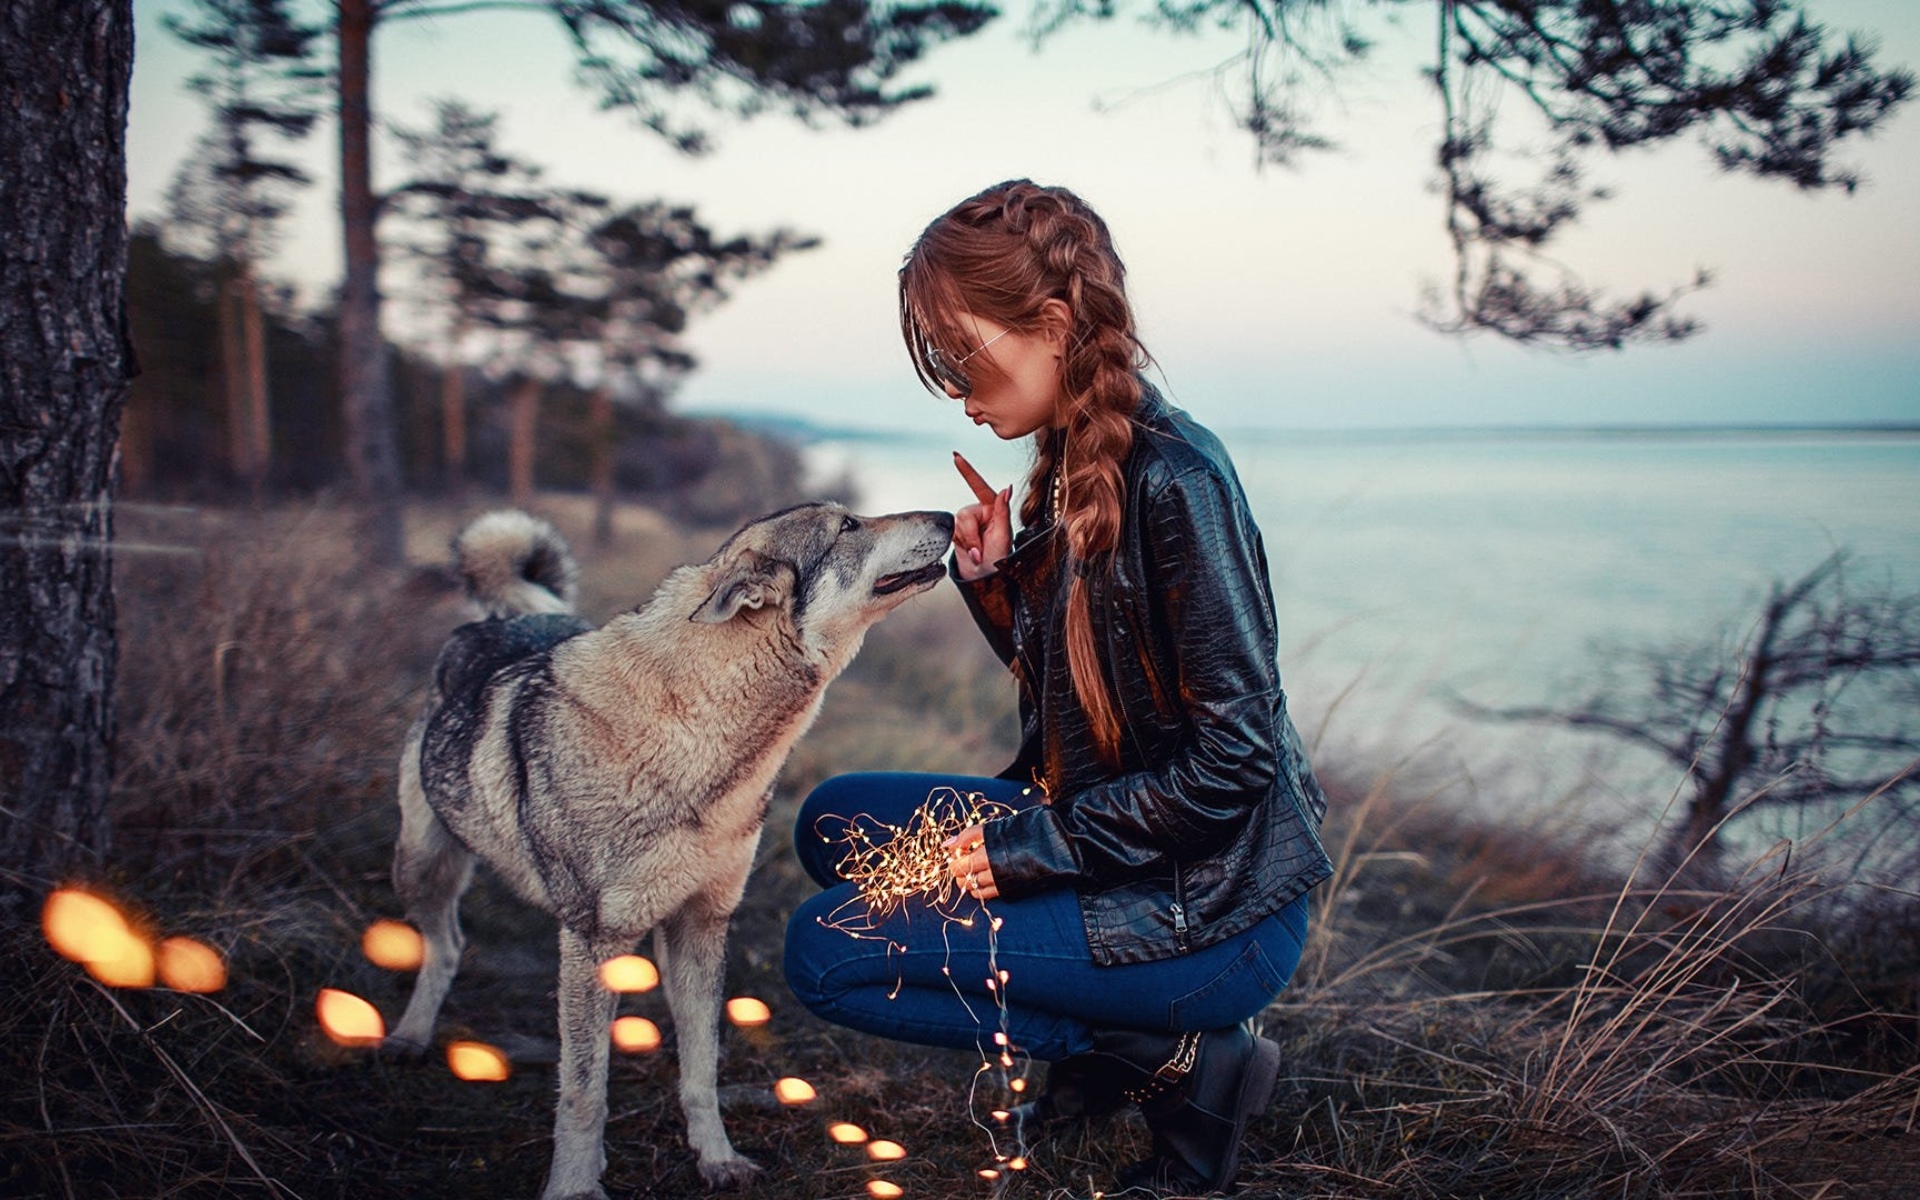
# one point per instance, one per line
(832, 572)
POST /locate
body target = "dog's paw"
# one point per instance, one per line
(727, 1174)
(403, 1049)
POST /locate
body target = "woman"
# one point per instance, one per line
(1151, 882)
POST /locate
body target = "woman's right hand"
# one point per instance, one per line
(983, 531)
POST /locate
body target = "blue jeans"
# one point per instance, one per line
(918, 977)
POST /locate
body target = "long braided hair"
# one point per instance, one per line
(1002, 255)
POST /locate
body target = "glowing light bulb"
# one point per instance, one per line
(348, 1019)
(846, 1134)
(629, 973)
(89, 930)
(189, 966)
(636, 1035)
(746, 1011)
(881, 1150)
(880, 1189)
(478, 1062)
(793, 1091)
(395, 945)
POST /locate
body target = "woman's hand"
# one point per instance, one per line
(971, 870)
(982, 532)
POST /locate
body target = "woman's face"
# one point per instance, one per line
(1015, 377)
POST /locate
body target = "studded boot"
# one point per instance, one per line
(1198, 1092)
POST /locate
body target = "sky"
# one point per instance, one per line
(1273, 298)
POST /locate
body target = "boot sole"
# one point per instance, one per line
(1256, 1091)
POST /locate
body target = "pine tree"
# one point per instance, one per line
(65, 66)
(1543, 86)
(264, 94)
(808, 57)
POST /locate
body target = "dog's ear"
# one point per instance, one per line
(751, 580)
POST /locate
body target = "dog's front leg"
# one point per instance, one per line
(580, 1119)
(696, 960)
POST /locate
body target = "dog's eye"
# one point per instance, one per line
(849, 524)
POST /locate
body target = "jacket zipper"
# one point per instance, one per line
(1179, 910)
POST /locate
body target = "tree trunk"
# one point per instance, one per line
(523, 415)
(233, 375)
(601, 424)
(453, 418)
(64, 365)
(366, 390)
(259, 421)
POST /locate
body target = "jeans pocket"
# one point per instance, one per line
(1247, 985)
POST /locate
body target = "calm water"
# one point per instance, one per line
(1499, 566)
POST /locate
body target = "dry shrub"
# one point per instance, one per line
(1675, 1041)
(267, 675)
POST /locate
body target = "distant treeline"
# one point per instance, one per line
(178, 442)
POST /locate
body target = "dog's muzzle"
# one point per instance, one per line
(886, 585)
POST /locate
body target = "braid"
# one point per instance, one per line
(1102, 387)
(1004, 253)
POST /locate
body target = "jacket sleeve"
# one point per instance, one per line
(992, 611)
(1204, 562)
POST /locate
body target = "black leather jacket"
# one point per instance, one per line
(1209, 823)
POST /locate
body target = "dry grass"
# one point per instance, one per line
(1481, 1013)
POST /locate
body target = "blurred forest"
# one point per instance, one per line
(178, 418)
(542, 323)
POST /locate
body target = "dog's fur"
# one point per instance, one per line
(618, 777)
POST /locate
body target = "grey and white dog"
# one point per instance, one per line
(618, 777)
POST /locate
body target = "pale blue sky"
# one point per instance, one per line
(1276, 298)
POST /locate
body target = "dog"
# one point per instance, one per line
(619, 777)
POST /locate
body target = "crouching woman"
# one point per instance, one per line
(1150, 882)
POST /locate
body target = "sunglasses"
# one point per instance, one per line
(950, 373)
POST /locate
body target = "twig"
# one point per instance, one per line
(199, 1097)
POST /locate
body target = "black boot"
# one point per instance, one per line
(1198, 1091)
(1082, 1087)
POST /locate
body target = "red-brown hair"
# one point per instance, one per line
(1002, 255)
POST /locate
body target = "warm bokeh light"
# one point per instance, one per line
(745, 1011)
(635, 1035)
(478, 1062)
(395, 945)
(629, 973)
(988, 1173)
(89, 930)
(79, 925)
(846, 1134)
(880, 1189)
(793, 1091)
(1018, 1085)
(348, 1019)
(882, 1150)
(189, 966)
(1016, 1163)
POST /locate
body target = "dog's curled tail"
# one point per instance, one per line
(515, 564)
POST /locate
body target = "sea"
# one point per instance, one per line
(1414, 570)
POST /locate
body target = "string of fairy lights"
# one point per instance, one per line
(891, 866)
